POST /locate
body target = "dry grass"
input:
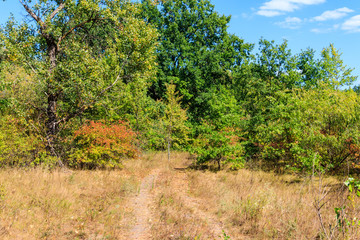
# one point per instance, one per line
(266, 206)
(185, 204)
(247, 205)
(38, 204)
(177, 215)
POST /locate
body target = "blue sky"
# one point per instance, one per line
(304, 23)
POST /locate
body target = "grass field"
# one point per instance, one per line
(175, 203)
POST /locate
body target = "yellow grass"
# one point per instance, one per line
(185, 203)
(37, 204)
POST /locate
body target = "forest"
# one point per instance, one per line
(90, 85)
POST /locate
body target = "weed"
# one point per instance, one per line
(225, 236)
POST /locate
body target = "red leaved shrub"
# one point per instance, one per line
(97, 144)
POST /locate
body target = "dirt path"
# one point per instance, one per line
(141, 209)
(215, 226)
(163, 208)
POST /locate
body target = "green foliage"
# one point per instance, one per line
(221, 107)
(174, 119)
(353, 185)
(165, 122)
(81, 55)
(220, 137)
(19, 147)
(195, 49)
(312, 129)
(345, 215)
(225, 236)
(97, 144)
(218, 145)
(107, 60)
(276, 65)
(333, 72)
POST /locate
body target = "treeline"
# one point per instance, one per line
(88, 83)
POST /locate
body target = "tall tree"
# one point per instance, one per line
(79, 52)
(174, 118)
(195, 49)
(327, 72)
(333, 72)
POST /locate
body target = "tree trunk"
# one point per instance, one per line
(169, 140)
(168, 148)
(51, 125)
(52, 120)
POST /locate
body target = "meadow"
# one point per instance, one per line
(177, 203)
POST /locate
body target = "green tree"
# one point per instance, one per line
(309, 68)
(219, 145)
(356, 89)
(313, 128)
(276, 70)
(79, 52)
(327, 72)
(174, 119)
(195, 49)
(273, 70)
(333, 72)
(276, 65)
(220, 136)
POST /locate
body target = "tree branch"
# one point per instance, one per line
(83, 108)
(57, 10)
(43, 26)
(32, 14)
(73, 28)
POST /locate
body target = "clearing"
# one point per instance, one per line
(148, 199)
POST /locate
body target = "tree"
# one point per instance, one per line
(219, 138)
(309, 68)
(98, 144)
(79, 52)
(312, 128)
(333, 72)
(327, 72)
(174, 118)
(195, 49)
(275, 70)
(276, 65)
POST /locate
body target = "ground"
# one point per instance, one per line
(152, 198)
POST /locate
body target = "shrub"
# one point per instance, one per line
(314, 128)
(18, 145)
(97, 144)
(221, 146)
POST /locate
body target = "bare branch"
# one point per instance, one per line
(32, 14)
(38, 20)
(57, 10)
(110, 86)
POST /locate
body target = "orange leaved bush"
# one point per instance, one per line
(97, 144)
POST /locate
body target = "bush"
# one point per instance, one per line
(97, 144)
(314, 128)
(18, 145)
(221, 146)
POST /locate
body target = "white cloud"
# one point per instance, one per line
(335, 14)
(352, 24)
(290, 22)
(268, 13)
(278, 7)
(325, 30)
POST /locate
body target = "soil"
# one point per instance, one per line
(143, 206)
